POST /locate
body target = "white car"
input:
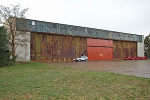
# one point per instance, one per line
(81, 58)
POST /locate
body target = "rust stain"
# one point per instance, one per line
(56, 48)
(46, 47)
(123, 49)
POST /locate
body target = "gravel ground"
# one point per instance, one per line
(140, 68)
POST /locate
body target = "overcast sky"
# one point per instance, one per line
(129, 16)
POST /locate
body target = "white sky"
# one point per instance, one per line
(129, 16)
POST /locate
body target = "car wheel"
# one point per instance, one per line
(79, 59)
(85, 59)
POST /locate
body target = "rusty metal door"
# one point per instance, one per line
(46, 47)
(99, 49)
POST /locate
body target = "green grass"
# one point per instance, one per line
(43, 81)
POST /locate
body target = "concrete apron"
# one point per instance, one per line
(140, 68)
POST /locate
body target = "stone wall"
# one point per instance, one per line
(22, 45)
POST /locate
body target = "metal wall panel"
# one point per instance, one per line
(123, 49)
(99, 42)
(64, 48)
(59, 51)
(98, 49)
(56, 48)
(52, 47)
(49, 27)
(44, 47)
(32, 47)
(100, 53)
(38, 38)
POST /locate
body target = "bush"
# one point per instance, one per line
(4, 55)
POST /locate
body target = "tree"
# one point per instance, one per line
(3, 38)
(147, 45)
(9, 15)
(4, 56)
(3, 42)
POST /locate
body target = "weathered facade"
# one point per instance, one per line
(59, 42)
(123, 49)
(57, 48)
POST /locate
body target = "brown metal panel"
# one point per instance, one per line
(54, 47)
(38, 38)
(67, 48)
(32, 41)
(44, 47)
(72, 48)
(115, 46)
(59, 50)
(77, 46)
(82, 47)
(49, 47)
(60, 42)
(64, 48)
(122, 49)
(32, 47)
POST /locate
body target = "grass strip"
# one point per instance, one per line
(42, 81)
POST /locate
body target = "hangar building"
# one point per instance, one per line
(48, 41)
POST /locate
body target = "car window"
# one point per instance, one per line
(82, 57)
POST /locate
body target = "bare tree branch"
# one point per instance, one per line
(9, 15)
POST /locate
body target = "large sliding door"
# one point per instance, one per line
(98, 49)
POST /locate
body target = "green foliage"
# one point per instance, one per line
(3, 38)
(147, 41)
(10, 13)
(147, 46)
(5, 59)
(4, 56)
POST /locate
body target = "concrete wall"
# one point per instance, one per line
(22, 51)
(140, 48)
